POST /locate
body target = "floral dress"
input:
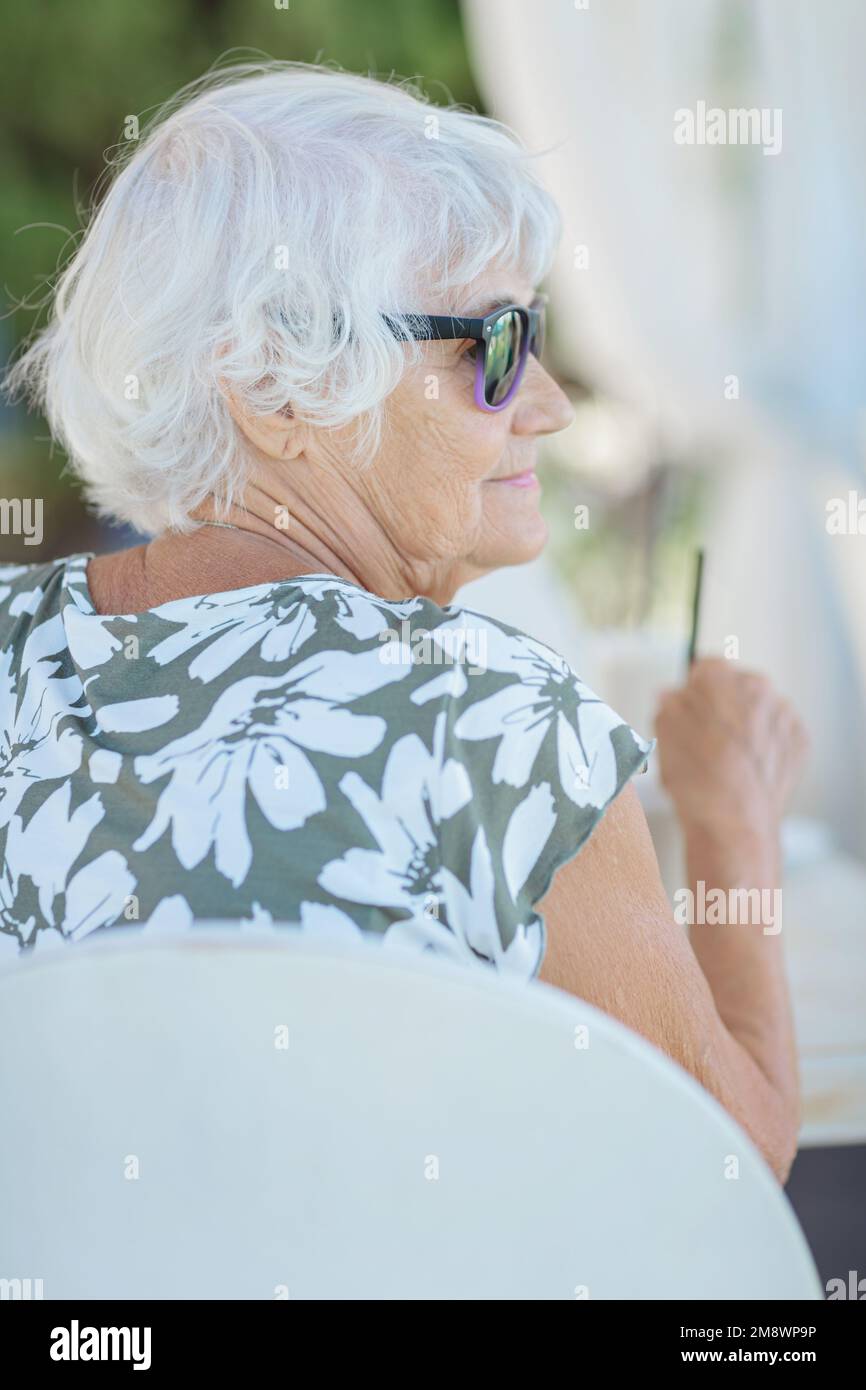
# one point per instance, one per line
(298, 754)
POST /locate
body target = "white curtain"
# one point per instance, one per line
(684, 266)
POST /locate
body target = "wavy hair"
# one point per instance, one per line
(249, 243)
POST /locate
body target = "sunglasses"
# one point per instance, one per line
(506, 338)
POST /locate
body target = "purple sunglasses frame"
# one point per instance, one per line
(444, 327)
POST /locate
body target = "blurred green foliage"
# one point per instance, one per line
(73, 73)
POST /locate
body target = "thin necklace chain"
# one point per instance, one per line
(230, 526)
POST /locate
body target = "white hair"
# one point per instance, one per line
(251, 242)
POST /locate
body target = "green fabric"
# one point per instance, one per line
(296, 753)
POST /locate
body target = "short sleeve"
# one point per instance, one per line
(544, 757)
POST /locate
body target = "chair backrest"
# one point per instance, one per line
(226, 1116)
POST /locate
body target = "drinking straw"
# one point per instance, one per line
(696, 604)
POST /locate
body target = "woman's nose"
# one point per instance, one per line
(542, 405)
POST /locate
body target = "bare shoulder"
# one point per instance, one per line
(116, 581)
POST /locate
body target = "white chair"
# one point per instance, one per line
(226, 1116)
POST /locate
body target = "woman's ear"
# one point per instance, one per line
(279, 435)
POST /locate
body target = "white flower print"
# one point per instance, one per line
(328, 923)
(259, 728)
(32, 743)
(43, 852)
(354, 610)
(526, 834)
(547, 697)
(473, 917)
(8, 573)
(91, 641)
(278, 622)
(419, 790)
(262, 757)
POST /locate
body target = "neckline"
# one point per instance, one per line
(75, 585)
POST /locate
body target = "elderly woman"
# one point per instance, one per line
(300, 347)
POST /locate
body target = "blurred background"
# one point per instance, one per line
(707, 319)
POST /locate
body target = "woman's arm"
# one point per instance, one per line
(743, 963)
(719, 1008)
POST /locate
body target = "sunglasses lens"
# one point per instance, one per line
(536, 341)
(502, 357)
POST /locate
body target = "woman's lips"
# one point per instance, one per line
(525, 479)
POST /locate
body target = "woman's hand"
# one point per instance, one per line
(730, 751)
